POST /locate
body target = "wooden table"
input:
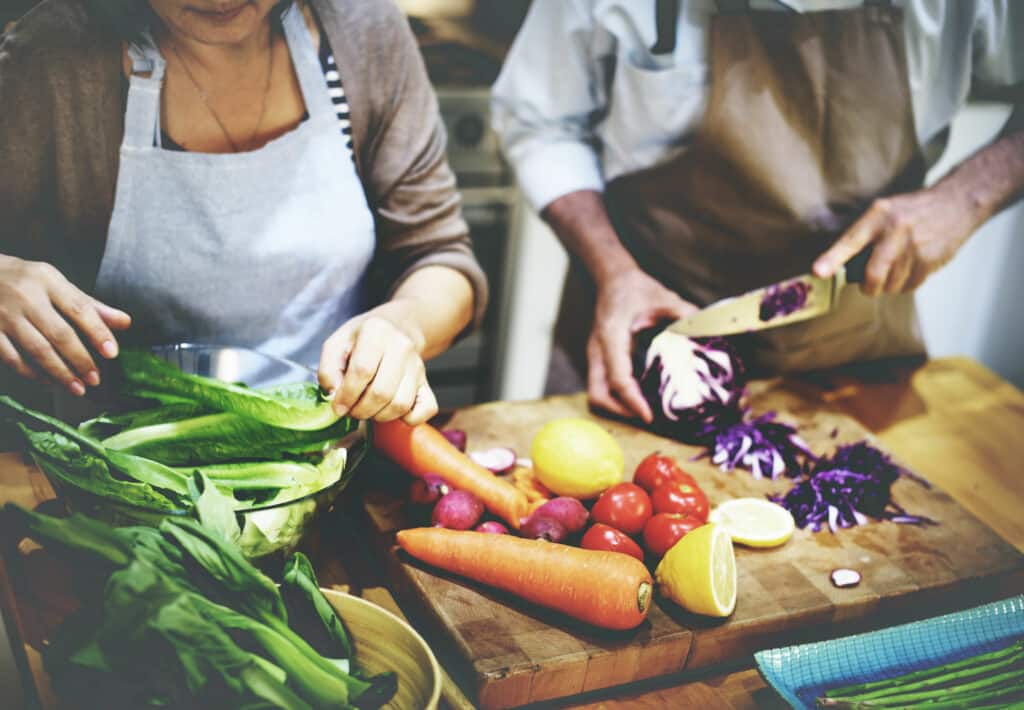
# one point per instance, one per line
(950, 420)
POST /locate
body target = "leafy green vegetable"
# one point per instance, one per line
(107, 425)
(141, 469)
(221, 437)
(185, 621)
(63, 460)
(303, 599)
(145, 371)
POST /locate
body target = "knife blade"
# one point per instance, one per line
(751, 311)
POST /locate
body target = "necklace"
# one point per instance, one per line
(209, 106)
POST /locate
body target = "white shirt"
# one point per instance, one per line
(566, 123)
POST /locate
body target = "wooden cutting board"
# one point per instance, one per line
(511, 653)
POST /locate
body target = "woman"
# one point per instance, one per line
(204, 170)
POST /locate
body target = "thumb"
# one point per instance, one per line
(334, 357)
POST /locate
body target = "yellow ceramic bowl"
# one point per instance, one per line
(383, 642)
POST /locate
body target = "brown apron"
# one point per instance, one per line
(809, 118)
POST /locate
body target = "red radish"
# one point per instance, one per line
(457, 437)
(601, 588)
(604, 537)
(459, 510)
(844, 577)
(567, 511)
(422, 450)
(427, 490)
(540, 528)
(493, 527)
(496, 460)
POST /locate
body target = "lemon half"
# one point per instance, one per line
(699, 572)
(754, 521)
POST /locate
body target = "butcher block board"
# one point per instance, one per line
(511, 653)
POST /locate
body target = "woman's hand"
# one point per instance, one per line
(626, 303)
(373, 366)
(914, 234)
(44, 319)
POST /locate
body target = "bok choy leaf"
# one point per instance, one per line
(221, 437)
(144, 371)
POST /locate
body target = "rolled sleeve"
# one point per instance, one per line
(547, 100)
(998, 57)
(547, 171)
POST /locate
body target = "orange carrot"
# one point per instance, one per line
(422, 450)
(526, 480)
(606, 589)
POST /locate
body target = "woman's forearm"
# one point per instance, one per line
(438, 302)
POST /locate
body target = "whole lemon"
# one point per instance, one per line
(577, 458)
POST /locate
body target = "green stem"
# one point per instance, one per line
(852, 691)
(949, 693)
(960, 675)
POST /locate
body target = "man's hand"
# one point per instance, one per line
(44, 319)
(373, 367)
(913, 234)
(626, 303)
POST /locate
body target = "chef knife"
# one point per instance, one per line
(753, 310)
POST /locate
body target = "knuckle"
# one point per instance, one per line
(359, 371)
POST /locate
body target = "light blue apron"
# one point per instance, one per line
(266, 249)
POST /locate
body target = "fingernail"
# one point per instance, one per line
(109, 348)
(92, 378)
(77, 388)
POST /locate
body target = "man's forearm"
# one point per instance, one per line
(580, 220)
(992, 178)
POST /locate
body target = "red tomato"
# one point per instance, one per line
(624, 506)
(657, 469)
(603, 537)
(680, 498)
(666, 529)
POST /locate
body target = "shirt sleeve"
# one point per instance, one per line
(546, 101)
(998, 44)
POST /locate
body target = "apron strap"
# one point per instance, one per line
(307, 65)
(666, 17)
(142, 112)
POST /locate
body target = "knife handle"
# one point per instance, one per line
(857, 266)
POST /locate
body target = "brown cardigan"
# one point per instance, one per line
(61, 124)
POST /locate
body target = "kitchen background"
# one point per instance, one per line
(970, 308)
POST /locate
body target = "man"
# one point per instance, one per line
(688, 150)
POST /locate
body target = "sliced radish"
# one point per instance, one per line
(844, 577)
(497, 460)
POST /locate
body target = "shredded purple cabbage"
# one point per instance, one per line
(765, 447)
(848, 488)
(783, 300)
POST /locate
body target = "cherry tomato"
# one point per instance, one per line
(657, 469)
(680, 498)
(664, 530)
(604, 537)
(624, 506)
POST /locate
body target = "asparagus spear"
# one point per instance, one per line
(964, 683)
